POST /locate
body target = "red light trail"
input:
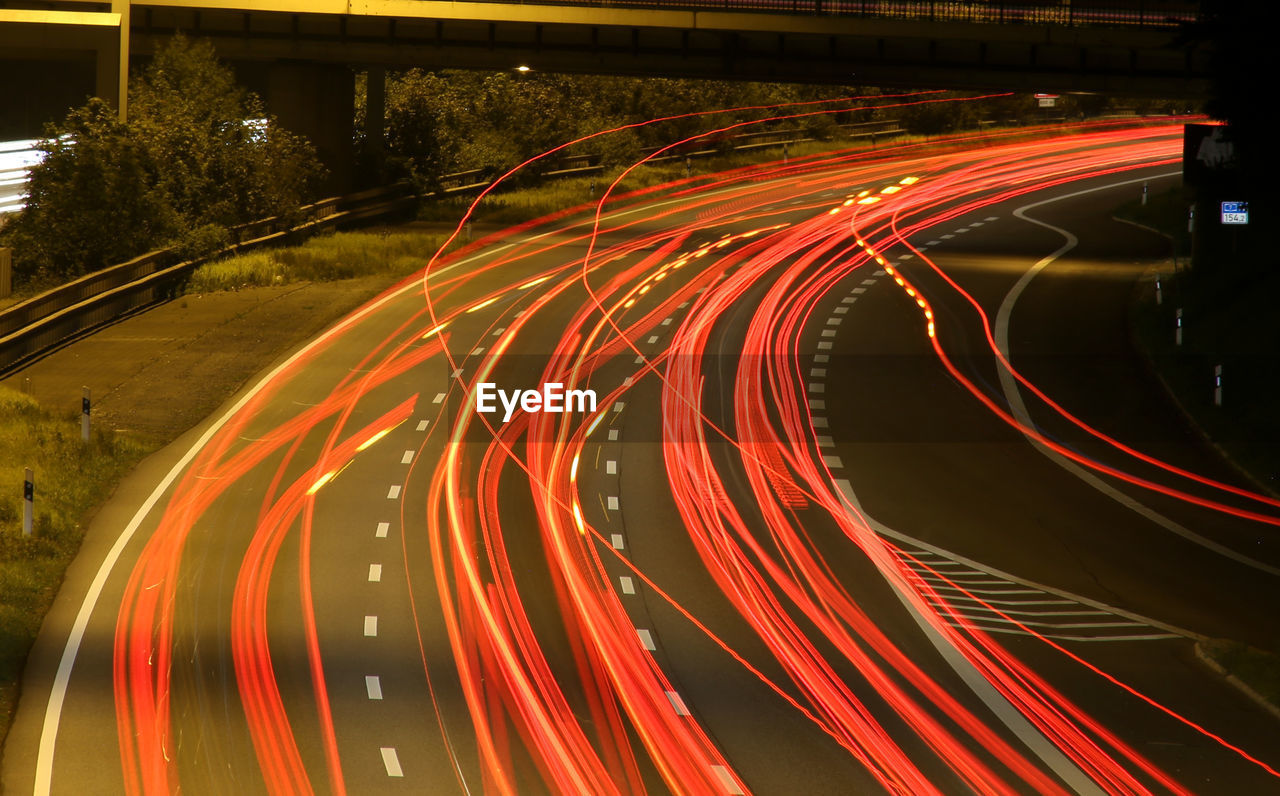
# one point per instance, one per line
(590, 707)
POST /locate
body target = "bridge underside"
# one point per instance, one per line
(298, 53)
(766, 47)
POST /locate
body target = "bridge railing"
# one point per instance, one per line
(1073, 13)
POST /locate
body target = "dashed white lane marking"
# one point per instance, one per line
(611, 467)
(933, 243)
(422, 425)
(993, 218)
(677, 704)
(977, 224)
(828, 332)
(948, 237)
(861, 289)
(375, 573)
(499, 330)
(371, 626)
(962, 230)
(868, 281)
(613, 503)
(407, 458)
(393, 492)
(628, 586)
(726, 779)
(477, 352)
(618, 406)
(627, 382)
(817, 387)
(849, 299)
(879, 272)
(818, 373)
(819, 422)
(821, 358)
(825, 345)
(615, 540)
(438, 399)
(683, 304)
(383, 527)
(613, 434)
(640, 360)
(666, 321)
(653, 339)
(826, 442)
(817, 403)
(906, 256)
(646, 638)
(456, 373)
(373, 685)
(832, 462)
(834, 321)
(391, 761)
(840, 310)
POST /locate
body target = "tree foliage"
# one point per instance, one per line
(197, 155)
(450, 121)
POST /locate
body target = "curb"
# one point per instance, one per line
(1236, 682)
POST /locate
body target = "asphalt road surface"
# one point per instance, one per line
(816, 536)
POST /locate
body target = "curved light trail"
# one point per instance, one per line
(513, 554)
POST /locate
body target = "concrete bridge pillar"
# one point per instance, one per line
(375, 112)
(317, 101)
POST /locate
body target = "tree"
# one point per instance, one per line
(197, 155)
(223, 160)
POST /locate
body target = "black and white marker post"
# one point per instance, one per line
(84, 416)
(28, 501)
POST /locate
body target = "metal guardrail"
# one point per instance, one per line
(40, 323)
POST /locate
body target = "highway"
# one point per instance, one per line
(876, 497)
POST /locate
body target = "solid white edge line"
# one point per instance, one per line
(996, 702)
(58, 691)
(1018, 408)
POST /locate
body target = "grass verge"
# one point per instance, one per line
(72, 478)
(342, 255)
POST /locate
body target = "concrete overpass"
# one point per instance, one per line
(298, 54)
